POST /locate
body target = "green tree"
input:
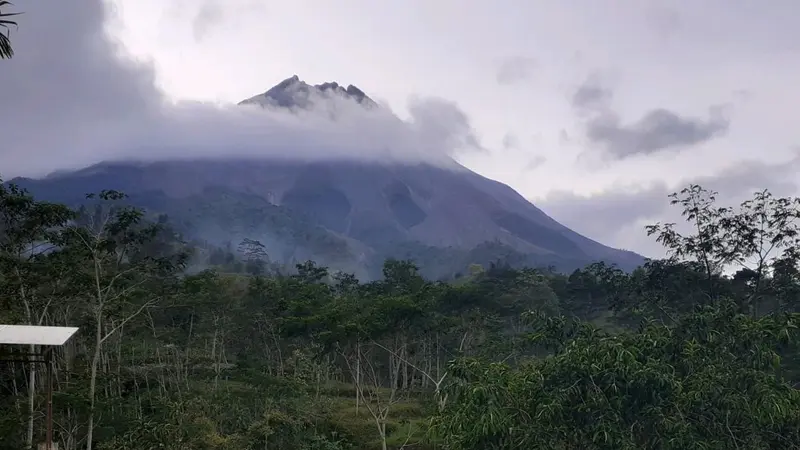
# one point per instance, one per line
(710, 382)
(753, 237)
(709, 366)
(118, 279)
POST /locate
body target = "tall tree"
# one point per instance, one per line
(762, 232)
(120, 281)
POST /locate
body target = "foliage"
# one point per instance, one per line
(710, 382)
(252, 354)
(6, 50)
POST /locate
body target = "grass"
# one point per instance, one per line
(406, 423)
(334, 404)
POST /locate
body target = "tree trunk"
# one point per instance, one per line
(93, 380)
(358, 375)
(382, 431)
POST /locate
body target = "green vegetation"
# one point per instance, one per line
(246, 355)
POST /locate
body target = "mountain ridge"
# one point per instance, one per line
(294, 92)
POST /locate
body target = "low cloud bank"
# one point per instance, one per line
(71, 99)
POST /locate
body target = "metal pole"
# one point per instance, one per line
(49, 362)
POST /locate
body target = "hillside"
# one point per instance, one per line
(345, 214)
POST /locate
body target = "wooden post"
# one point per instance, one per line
(49, 362)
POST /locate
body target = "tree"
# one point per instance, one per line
(708, 244)
(762, 232)
(716, 373)
(255, 256)
(6, 51)
(119, 281)
(710, 382)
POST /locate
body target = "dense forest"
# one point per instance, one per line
(698, 350)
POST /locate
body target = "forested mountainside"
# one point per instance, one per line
(347, 215)
(672, 355)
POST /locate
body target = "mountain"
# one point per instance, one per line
(345, 214)
(295, 93)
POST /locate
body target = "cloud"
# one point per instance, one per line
(528, 162)
(591, 95)
(617, 215)
(442, 122)
(535, 162)
(664, 20)
(510, 141)
(603, 214)
(71, 99)
(656, 131)
(516, 69)
(208, 16)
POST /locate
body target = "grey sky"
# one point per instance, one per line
(515, 70)
(683, 90)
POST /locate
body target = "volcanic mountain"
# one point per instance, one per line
(347, 215)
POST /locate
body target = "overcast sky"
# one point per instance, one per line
(593, 109)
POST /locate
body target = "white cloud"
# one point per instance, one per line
(72, 97)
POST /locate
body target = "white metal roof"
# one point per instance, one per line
(35, 335)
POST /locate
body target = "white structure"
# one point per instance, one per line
(35, 335)
(48, 338)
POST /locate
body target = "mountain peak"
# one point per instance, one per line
(296, 93)
(287, 82)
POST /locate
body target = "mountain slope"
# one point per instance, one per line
(345, 214)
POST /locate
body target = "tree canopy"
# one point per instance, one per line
(698, 350)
